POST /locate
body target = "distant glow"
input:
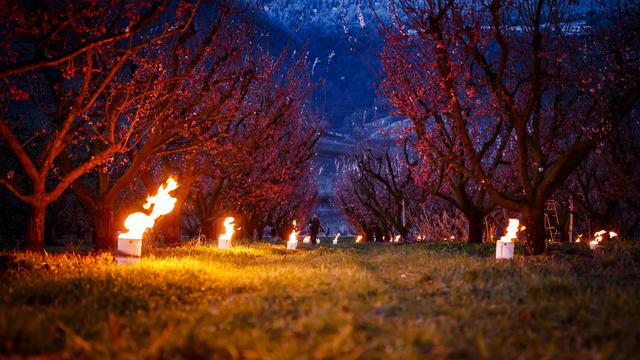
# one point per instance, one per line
(162, 203)
(598, 237)
(306, 240)
(335, 239)
(358, 239)
(293, 238)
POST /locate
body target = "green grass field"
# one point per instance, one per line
(438, 300)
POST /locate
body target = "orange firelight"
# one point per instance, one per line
(162, 203)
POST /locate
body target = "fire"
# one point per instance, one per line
(359, 239)
(306, 240)
(228, 229)
(162, 203)
(293, 238)
(224, 240)
(512, 231)
(397, 239)
(599, 236)
(335, 239)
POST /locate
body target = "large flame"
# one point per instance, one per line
(162, 204)
(228, 229)
(293, 238)
(512, 231)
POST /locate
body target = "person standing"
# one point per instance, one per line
(314, 227)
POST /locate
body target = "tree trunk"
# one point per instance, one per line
(535, 242)
(171, 228)
(475, 229)
(35, 227)
(104, 228)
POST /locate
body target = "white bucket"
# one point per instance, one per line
(129, 251)
(224, 244)
(292, 245)
(504, 249)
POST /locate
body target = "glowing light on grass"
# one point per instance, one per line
(306, 240)
(335, 239)
(292, 244)
(358, 239)
(224, 241)
(130, 243)
(396, 239)
(505, 246)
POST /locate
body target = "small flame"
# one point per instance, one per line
(293, 238)
(306, 240)
(396, 239)
(599, 236)
(335, 239)
(358, 239)
(162, 203)
(512, 231)
(228, 229)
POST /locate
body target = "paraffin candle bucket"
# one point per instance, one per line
(224, 244)
(129, 251)
(504, 249)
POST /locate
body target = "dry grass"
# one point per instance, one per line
(439, 300)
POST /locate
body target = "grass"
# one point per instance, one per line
(438, 300)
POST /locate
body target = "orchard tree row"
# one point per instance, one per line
(510, 103)
(106, 99)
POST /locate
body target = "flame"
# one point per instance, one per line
(599, 236)
(396, 239)
(335, 239)
(306, 240)
(512, 231)
(228, 229)
(162, 204)
(359, 239)
(293, 238)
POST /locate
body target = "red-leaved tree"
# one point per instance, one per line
(60, 62)
(518, 75)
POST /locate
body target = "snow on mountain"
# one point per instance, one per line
(326, 16)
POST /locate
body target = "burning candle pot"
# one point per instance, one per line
(130, 243)
(598, 237)
(335, 239)
(505, 246)
(292, 244)
(224, 241)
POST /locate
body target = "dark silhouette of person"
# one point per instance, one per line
(314, 227)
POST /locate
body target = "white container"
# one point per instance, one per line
(129, 251)
(224, 244)
(504, 249)
(292, 245)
